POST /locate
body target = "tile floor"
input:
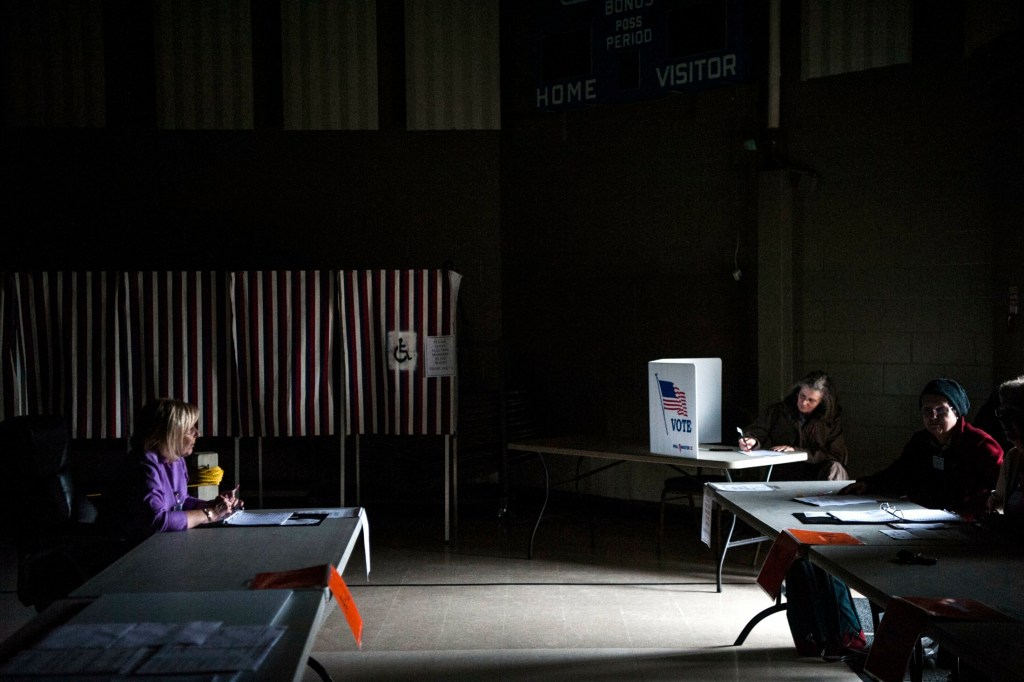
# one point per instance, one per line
(478, 609)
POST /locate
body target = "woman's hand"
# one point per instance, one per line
(232, 499)
(219, 509)
(747, 443)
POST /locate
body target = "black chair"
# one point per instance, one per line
(58, 540)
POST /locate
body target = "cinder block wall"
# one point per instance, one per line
(893, 245)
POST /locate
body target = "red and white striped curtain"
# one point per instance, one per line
(284, 340)
(178, 327)
(255, 351)
(399, 329)
(63, 350)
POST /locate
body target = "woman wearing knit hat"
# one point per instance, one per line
(947, 465)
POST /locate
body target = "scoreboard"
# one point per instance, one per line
(591, 52)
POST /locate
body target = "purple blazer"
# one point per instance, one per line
(166, 493)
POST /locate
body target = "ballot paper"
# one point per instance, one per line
(244, 518)
(894, 515)
(145, 648)
(834, 500)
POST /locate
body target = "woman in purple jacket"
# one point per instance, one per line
(165, 434)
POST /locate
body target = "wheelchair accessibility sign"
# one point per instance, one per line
(401, 351)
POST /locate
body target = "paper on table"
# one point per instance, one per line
(112, 648)
(816, 516)
(244, 518)
(895, 515)
(864, 516)
(85, 636)
(834, 500)
(332, 512)
(155, 634)
(926, 516)
(75, 661)
(127, 635)
(743, 487)
(924, 531)
(233, 647)
(705, 519)
(897, 534)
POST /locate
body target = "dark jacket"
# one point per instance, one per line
(958, 477)
(822, 437)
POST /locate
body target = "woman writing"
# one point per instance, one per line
(165, 434)
(809, 418)
(820, 611)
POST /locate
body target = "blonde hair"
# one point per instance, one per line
(162, 426)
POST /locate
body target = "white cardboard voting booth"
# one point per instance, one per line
(685, 404)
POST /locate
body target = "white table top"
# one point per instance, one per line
(771, 511)
(990, 573)
(224, 558)
(978, 567)
(299, 611)
(638, 451)
(204, 574)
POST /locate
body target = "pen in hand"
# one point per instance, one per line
(743, 439)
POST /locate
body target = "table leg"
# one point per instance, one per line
(721, 555)
(775, 608)
(547, 493)
(583, 505)
(723, 548)
(319, 669)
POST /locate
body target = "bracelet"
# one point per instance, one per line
(209, 514)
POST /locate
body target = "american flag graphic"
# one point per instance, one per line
(672, 398)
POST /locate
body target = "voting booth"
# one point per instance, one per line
(685, 404)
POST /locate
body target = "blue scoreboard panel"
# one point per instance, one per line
(591, 52)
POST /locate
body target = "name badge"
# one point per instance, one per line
(938, 462)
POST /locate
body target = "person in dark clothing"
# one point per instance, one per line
(820, 610)
(947, 465)
(810, 419)
(1006, 504)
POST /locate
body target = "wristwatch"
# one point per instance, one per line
(209, 514)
